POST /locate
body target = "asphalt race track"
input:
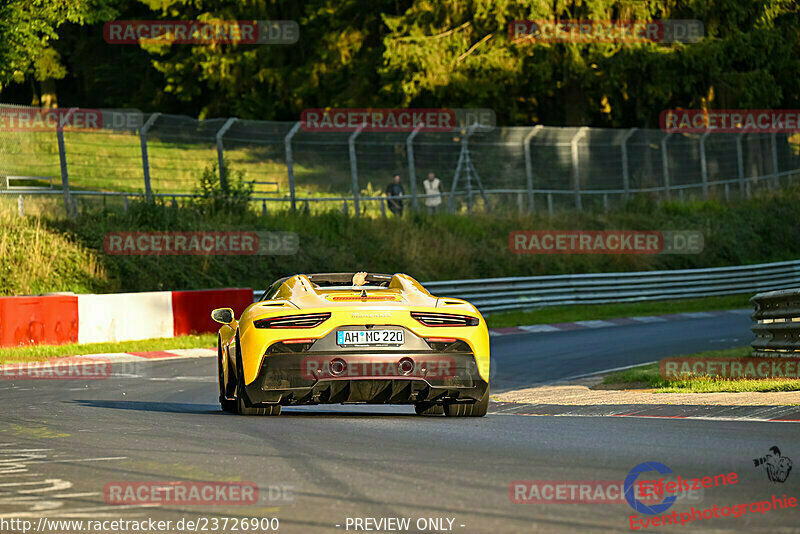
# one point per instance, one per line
(63, 441)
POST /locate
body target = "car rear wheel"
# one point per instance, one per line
(242, 407)
(225, 385)
(477, 409)
(428, 408)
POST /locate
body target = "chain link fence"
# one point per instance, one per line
(526, 169)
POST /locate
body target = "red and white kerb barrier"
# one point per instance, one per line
(59, 319)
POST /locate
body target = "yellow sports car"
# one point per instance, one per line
(353, 338)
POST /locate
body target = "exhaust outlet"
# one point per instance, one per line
(405, 366)
(338, 366)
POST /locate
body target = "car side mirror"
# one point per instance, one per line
(222, 315)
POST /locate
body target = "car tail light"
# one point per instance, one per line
(309, 320)
(444, 319)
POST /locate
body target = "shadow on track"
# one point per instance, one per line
(144, 406)
(213, 409)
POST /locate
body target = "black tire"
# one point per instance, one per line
(477, 409)
(227, 404)
(428, 408)
(243, 406)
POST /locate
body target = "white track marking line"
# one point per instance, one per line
(604, 371)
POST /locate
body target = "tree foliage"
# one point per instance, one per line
(419, 53)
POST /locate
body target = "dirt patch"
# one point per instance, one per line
(591, 391)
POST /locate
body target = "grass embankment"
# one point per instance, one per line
(649, 377)
(45, 352)
(45, 253)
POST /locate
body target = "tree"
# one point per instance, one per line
(27, 30)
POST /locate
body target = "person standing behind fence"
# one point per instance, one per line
(393, 190)
(433, 193)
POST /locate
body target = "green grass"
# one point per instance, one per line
(562, 314)
(649, 377)
(45, 252)
(44, 352)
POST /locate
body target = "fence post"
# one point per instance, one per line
(626, 181)
(776, 181)
(351, 143)
(148, 192)
(526, 145)
(550, 204)
(576, 175)
(740, 162)
(125, 204)
(290, 161)
(665, 164)
(704, 164)
(62, 158)
(223, 180)
(412, 174)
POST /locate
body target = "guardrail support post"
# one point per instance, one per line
(62, 158)
(576, 175)
(626, 182)
(290, 162)
(223, 179)
(665, 164)
(740, 163)
(21, 206)
(550, 204)
(775, 170)
(412, 173)
(526, 145)
(704, 164)
(148, 192)
(125, 204)
(351, 143)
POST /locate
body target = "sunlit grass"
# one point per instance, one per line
(649, 377)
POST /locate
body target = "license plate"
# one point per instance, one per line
(369, 337)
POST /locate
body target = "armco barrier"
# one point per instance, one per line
(501, 294)
(59, 319)
(191, 310)
(777, 323)
(50, 319)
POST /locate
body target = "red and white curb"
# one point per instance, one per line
(113, 358)
(622, 321)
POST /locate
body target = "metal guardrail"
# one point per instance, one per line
(776, 323)
(503, 294)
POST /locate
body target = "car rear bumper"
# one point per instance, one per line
(397, 377)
